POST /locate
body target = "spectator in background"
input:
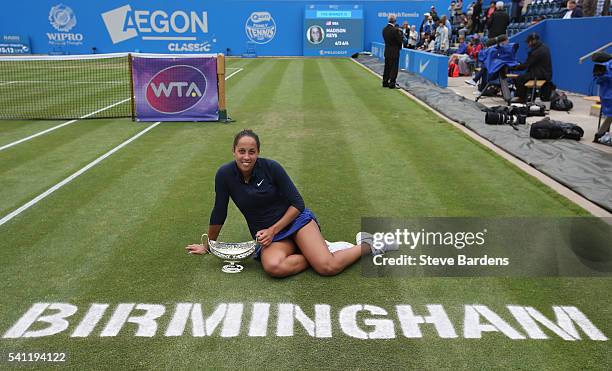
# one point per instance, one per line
(488, 14)
(441, 43)
(603, 7)
(499, 21)
(412, 37)
(476, 13)
(449, 27)
(423, 43)
(426, 25)
(572, 11)
(405, 33)
(465, 24)
(515, 12)
(434, 15)
(589, 7)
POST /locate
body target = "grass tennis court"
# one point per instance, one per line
(116, 234)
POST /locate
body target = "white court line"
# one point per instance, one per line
(83, 117)
(38, 198)
(46, 193)
(233, 73)
(59, 126)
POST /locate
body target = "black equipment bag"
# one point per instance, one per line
(551, 129)
(560, 102)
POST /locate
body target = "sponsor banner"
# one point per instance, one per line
(62, 37)
(260, 27)
(332, 30)
(185, 26)
(15, 44)
(433, 67)
(175, 89)
(489, 247)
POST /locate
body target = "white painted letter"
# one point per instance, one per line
(473, 329)
(410, 322)
(259, 319)
(89, 322)
(34, 314)
(147, 325)
(383, 328)
(320, 327)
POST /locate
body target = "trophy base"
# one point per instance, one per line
(232, 267)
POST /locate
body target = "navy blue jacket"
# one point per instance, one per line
(262, 201)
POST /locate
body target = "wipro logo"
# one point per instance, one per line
(176, 89)
(123, 23)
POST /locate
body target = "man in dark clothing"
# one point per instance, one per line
(538, 66)
(572, 11)
(476, 13)
(499, 21)
(393, 45)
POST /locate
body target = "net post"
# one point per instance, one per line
(221, 88)
(132, 100)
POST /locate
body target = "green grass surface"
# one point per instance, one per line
(116, 234)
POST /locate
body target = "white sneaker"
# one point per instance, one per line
(338, 246)
(470, 82)
(367, 238)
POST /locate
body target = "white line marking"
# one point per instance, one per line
(233, 73)
(35, 200)
(59, 126)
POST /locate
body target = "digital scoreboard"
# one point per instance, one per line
(333, 30)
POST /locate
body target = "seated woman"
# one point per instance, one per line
(288, 233)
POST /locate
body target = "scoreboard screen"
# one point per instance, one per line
(333, 30)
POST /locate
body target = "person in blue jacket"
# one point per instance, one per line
(288, 234)
(603, 77)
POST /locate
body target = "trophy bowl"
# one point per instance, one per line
(231, 252)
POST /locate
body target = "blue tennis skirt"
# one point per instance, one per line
(304, 218)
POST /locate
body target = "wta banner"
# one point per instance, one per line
(175, 89)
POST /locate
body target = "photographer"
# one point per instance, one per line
(538, 66)
(602, 71)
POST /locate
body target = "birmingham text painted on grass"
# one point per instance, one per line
(361, 321)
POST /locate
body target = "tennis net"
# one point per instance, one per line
(65, 87)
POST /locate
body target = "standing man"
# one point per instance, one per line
(393, 45)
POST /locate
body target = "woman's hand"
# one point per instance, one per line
(265, 236)
(198, 249)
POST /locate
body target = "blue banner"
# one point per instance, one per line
(15, 44)
(187, 26)
(433, 67)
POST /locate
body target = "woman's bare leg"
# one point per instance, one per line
(312, 244)
(282, 259)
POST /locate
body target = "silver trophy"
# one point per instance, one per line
(231, 252)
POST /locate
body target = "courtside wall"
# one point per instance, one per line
(75, 27)
(568, 40)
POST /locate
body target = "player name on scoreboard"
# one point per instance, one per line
(333, 30)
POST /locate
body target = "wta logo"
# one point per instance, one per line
(176, 89)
